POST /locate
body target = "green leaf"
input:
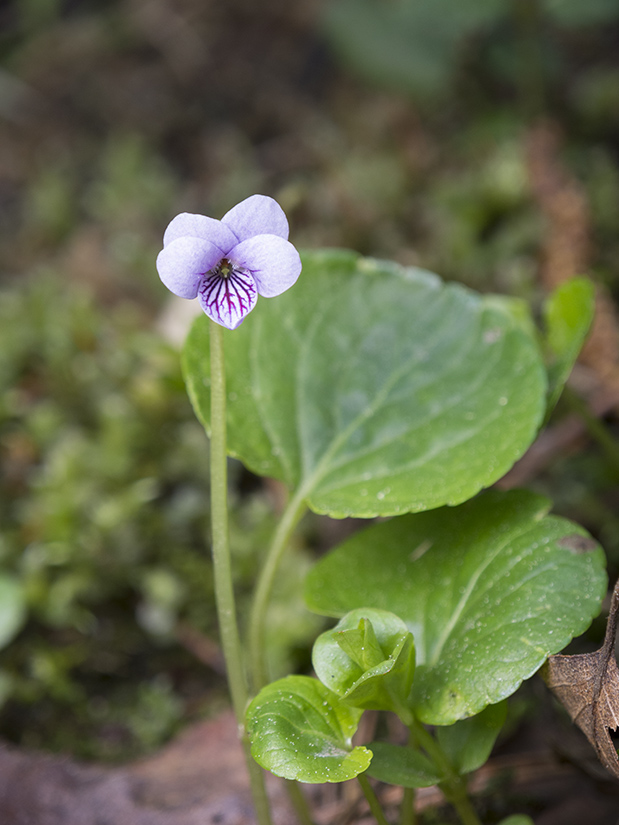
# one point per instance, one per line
(517, 819)
(12, 609)
(488, 589)
(468, 743)
(402, 766)
(376, 390)
(368, 659)
(568, 315)
(301, 730)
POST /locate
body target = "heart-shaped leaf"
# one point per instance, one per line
(301, 730)
(568, 314)
(488, 589)
(402, 766)
(468, 743)
(368, 659)
(374, 389)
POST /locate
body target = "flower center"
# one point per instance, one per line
(224, 268)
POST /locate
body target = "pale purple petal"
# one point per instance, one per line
(199, 226)
(274, 263)
(183, 262)
(228, 300)
(256, 215)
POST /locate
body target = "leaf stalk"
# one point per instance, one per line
(454, 785)
(257, 618)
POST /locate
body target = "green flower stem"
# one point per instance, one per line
(257, 618)
(222, 568)
(454, 786)
(372, 800)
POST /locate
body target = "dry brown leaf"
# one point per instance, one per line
(588, 686)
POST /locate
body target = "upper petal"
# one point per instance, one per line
(199, 226)
(274, 263)
(257, 215)
(183, 263)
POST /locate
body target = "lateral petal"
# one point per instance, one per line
(183, 263)
(273, 262)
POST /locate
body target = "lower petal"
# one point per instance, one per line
(227, 300)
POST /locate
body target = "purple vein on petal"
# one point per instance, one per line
(228, 300)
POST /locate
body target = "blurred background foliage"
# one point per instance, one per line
(410, 129)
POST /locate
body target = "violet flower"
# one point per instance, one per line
(226, 264)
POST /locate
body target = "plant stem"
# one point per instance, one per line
(596, 428)
(372, 799)
(222, 568)
(257, 618)
(454, 785)
(407, 808)
(299, 802)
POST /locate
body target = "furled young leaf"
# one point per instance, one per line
(568, 315)
(375, 389)
(588, 685)
(468, 743)
(12, 608)
(301, 730)
(402, 766)
(488, 589)
(368, 659)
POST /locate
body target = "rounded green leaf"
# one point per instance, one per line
(517, 819)
(368, 659)
(489, 590)
(12, 608)
(301, 730)
(375, 389)
(402, 766)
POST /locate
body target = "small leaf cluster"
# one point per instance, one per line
(376, 390)
(459, 639)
